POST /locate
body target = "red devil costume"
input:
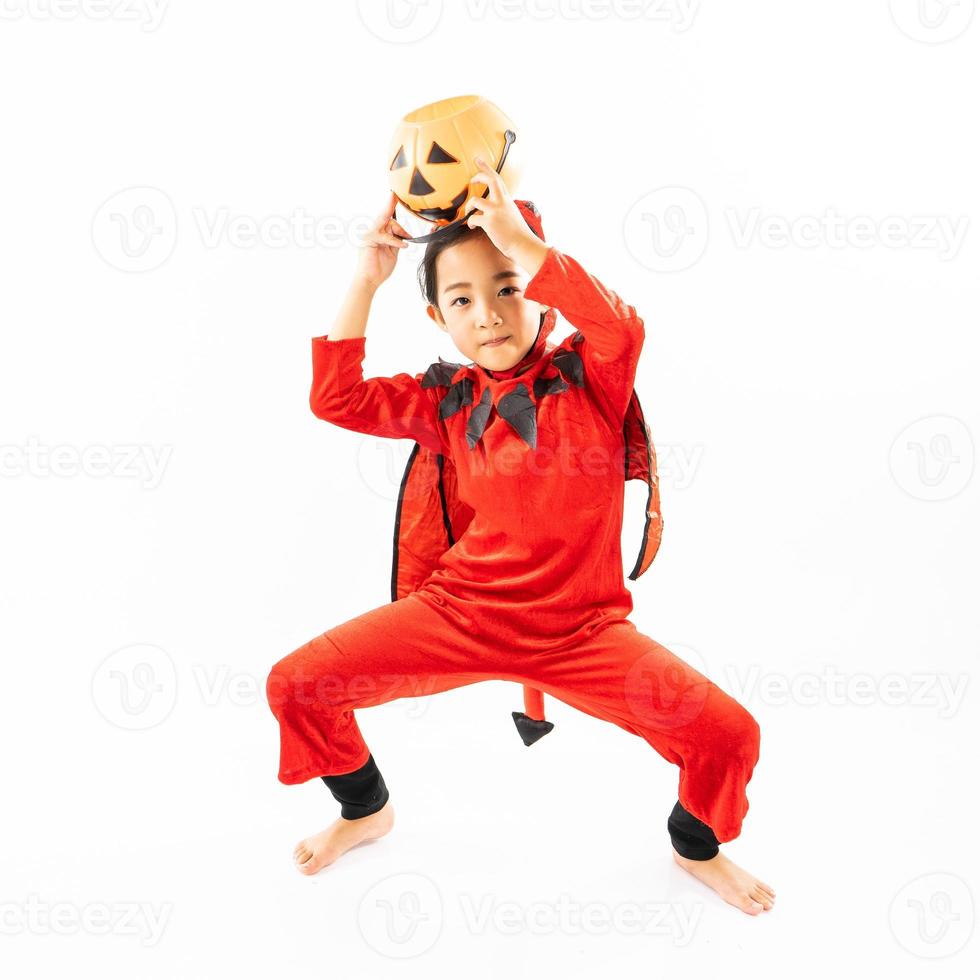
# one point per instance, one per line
(507, 562)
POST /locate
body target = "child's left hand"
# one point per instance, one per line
(497, 213)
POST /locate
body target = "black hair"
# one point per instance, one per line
(439, 244)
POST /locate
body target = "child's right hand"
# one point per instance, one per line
(379, 246)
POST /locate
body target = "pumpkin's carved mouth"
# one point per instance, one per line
(443, 214)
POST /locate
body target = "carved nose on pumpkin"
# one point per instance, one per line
(419, 184)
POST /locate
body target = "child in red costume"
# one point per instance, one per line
(533, 590)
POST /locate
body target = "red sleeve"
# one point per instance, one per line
(612, 331)
(391, 408)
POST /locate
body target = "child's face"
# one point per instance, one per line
(475, 306)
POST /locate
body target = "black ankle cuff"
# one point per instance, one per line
(691, 838)
(359, 793)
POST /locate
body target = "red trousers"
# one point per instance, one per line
(416, 646)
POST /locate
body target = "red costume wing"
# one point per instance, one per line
(429, 519)
(641, 464)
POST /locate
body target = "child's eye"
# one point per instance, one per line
(458, 298)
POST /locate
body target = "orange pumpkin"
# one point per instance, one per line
(431, 156)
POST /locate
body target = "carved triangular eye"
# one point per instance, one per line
(400, 159)
(438, 155)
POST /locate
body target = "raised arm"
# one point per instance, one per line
(611, 330)
(392, 408)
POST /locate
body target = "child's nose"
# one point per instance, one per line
(487, 316)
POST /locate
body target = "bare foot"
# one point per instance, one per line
(737, 887)
(321, 849)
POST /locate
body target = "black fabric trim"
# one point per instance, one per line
(520, 414)
(477, 421)
(569, 362)
(458, 395)
(554, 385)
(440, 462)
(439, 373)
(398, 520)
(635, 574)
(691, 838)
(359, 793)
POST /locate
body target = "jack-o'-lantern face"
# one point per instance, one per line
(431, 160)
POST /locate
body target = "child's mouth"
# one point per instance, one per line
(497, 342)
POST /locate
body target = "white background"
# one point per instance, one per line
(814, 405)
